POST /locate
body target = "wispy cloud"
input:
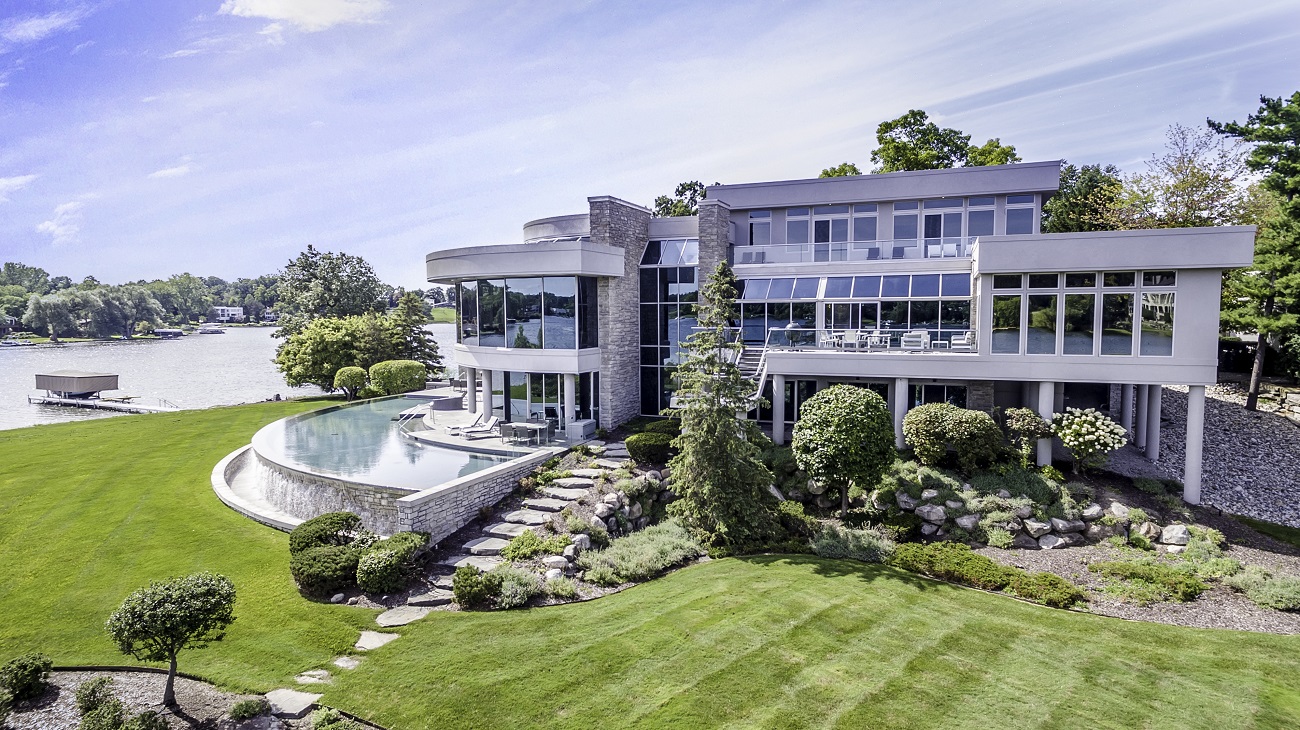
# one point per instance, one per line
(307, 15)
(182, 53)
(178, 171)
(33, 28)
(65, 226)
(13, 184)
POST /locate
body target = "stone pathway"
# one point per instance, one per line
(374, 639)
(290, 703)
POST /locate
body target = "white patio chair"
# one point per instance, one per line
(964, 342)
(916, 341)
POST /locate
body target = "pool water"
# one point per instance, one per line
(362, 443)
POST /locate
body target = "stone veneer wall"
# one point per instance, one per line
(307, 495)
(623, 225)
(979, 395)
(715, 229)
(448, 507)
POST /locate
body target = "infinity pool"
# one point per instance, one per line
(362, 443)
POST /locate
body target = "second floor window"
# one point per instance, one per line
(1020, 214)
(760, 227)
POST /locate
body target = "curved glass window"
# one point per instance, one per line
(492, 313)
(555, 313)
(560, 312)
(524, 312)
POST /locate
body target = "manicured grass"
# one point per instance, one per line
(442, 315)
(1281, 533)
(90, 511)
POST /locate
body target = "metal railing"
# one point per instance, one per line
(878, 340)
(812, 253)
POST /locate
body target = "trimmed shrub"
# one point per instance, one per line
(869, 546)
(147, 720)
(998, 537)
(641, 555)
(391, 377)
(529, 545)
(924, 430)
(350, 380)
(94, 693)
(474, 590)
(369, 391)
(1088, 435)
(111, 715)
(954, 562)
(670, 426)
(565, 589)
(1265, 590)
(795, 522)
(324, 569)
(1048, 589)
(26, 676)
(248, 709)
(386, 565)
(650, 447)
(931, 428)
(1024, 429)
(518, 586)
(1153, 579)
(331, 528)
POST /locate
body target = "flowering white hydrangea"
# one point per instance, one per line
(1088, 434)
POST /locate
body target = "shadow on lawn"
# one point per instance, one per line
(866, 572)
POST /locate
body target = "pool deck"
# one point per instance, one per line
(434, 432)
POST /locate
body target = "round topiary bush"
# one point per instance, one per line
(324, 569)
(350, 380)
(925, 430)
(398, 376)
(473, 589)
(650, 448)
(386, 565)
(331, 528)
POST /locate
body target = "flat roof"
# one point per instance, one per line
(75, 374)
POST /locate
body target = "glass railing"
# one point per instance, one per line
(878, 340)
(813, 253)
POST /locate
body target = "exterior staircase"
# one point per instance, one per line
(753, 365)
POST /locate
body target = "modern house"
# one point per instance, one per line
(924, 286)
(228, 314)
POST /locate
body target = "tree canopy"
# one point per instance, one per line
(685, 200)
(844, 436)
(844, 169)
(913, 142)
(324, 284)
(1087, 200)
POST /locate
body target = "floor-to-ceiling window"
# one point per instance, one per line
(553, 313)
(669, 297)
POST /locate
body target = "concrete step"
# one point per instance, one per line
(485, 546)
(373, 640)
(565, 493)
(581, 479)
(547, 504)
(482, 562)
(505, 530)
(527, 517)
(432, 598)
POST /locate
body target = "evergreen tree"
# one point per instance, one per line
(718, 472)
(411, 341)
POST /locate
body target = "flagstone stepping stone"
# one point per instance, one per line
(564, 493)
(547, 504)
(347, 662)
(581, 479)
(443, 582)
(505, 530)
(435, 597)
(527, 517)
(609, 463)
(482, 562)
(401, 616)
(290, 703)
(486, 546)
(595, 444)
(374, 639)
(315, 676)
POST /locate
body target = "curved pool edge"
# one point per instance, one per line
(222, 474)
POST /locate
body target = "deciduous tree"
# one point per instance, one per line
(913, 142)
(1089, 199)
(844, 436)
(844, 169)
(1197, 181)
(684, 201)
(324, 284)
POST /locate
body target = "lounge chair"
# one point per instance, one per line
(916, 340)
(457, 430)
(964, 342)
(487, 429)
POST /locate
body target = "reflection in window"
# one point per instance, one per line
(839, 287)
(905, 227)
(1020, 221)
(1117, 324)
(1008, 281)
(925, 285)
(1044, 281)
(956, 285)
(588, 315)
(467, 306)
(1158, 278)
(560, 313)
(524, 312)
(1006, 324)
(796, 230)
(925, 315)
(979, 223)
(491, 313)
(1041, 335)
(1157, 323)
(895, 286)
(866, 287)
(1118, 278)
(1078, 335)
(893, 315)
(1080, 280)
(955, 315)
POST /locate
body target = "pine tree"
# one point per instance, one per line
(719, 473)
(411, 341)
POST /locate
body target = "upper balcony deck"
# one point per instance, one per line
(818, 253)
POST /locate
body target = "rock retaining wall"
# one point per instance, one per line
(443, 509)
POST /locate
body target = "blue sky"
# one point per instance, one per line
(141, 138)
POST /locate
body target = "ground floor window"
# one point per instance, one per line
(541, 396)
(936, 393)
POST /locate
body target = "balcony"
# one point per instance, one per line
(892, 341)
(815, 253)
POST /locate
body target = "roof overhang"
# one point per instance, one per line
(1223, 247)
(549, 258)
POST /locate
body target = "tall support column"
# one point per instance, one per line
(1195, 437)
(900, 410)
(471, 389)
(1153, 422)
(487, 393)
(1046, 404)
(1140, 428)
(1126, 409)
(570, 396)
(778, 410)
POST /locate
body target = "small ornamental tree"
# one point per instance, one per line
(350, 380)
(155, 623)
(1088, 435)
(844, 436)
(1024, 429)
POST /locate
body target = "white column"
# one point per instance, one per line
(1140, 428)
(1195, 436)
(1046, 401)
(1153, 422)
(900, 410)
(487, 393)
(570, 396)
(1126, 408)
(778, 410)
(471, 389)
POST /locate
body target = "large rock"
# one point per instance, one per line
(1175, 549)
(968, 522)
(556, 561)
(1037, 529)
(483, 562)
(932, 513)
(1119, 510)
(290, 703)
(401, 616)
(597, 521)
(506, 530)
(338, 598)
(667, 495)
(527, 517)
(1051, 542)
(1024, 541)
(486, 546)
(905, 500)
(1098, 531)
(1004, 494)
(582, 541)
(1023, 512)
(929, 494)
(432, 598)
(1063, 526)
(612, 499)
(1149, 530)
(586, 481)
(635, 510)
(604, 510)
(1092, 512)
(570, 552)
(554, 574)
(641, 523)
(1175, 535)
(929, 529)
(1073, 539)
(815, 487)
(652, 474)
(374, 639)
(954, 504)
(565, 493)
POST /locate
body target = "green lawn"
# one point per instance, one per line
(90, 511)
(443, 314)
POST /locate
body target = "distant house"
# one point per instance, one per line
(9, 324)
(229, 314)
(269, 316)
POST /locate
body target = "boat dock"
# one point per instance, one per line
(123, 405)
(82, 390)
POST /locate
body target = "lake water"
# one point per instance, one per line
(196, 371)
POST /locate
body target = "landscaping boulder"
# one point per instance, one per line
(598, 522)
(954, 504)
(929, 494)
(905, 501)
(1024, 541)
(1024, 512)
(1036, 528)
(1175, 549)
(635, 510)
(1051, 542)
(571, 552)
(929, 529)
(932, 513)
(556, 561)
(554, 574)
(816, 487)
(1004, 494)
(338, 598)
(640, 523)
(652, 474)
(1092, 512)
(1119, 510)
(1149, 530)
(612, 499)
(582, 541)
(604, 510)
(1073, 539)
(1099, 531)
(1175, 535)
(1013, 525)
(667, 495)
(968, 522)
(1062, 526)
(664, 473)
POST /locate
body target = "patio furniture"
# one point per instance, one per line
(916, 341)
(457, 430)
(487, 429)
(878, 339)
(964, 342)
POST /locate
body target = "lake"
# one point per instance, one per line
(196, 371)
